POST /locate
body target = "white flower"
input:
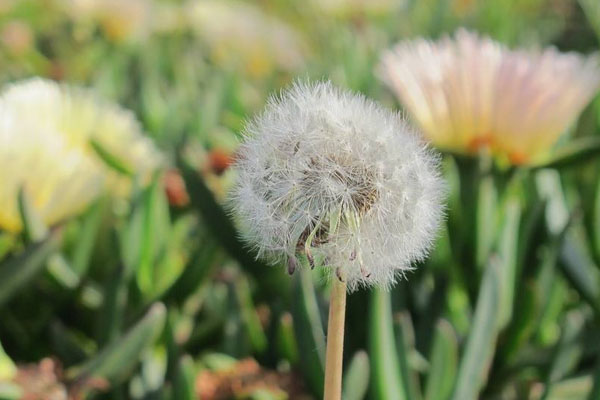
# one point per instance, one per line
(46, 136)
(335, 176)
(470, 92)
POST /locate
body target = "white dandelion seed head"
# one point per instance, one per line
(334, 175)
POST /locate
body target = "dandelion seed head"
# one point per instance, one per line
(335, 176)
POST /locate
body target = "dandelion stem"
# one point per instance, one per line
(335, 341)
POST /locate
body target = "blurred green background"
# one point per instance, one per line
(154, 297)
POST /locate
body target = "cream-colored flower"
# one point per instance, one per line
(46, 136)
(120, 20)
(470, 92)
(346, 8)
(238, 32)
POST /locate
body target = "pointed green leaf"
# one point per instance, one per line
(487, 198)
(20, 270)
(408, 356)
(479, 349)
(309, 330)
(567, 353)
(110, 159)
(595, 392)
(10, 391)
(577, 388)
(591, 8)
(254, 329)
(117, 360)
(572, 154)
(443, 363)
(34, 228)
(356, 377)
(7, 367)
(579, 269)
(507, 253)
(155, 226)
(185, 379)
(86, 238)
(386, 375)
(286, 339)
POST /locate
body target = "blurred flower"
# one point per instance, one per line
(240, 33)
(17, 37)
(175, 189)
(469, 92)
(353, 7)
(245, 378)
(334, 176)
(119, 20)
(218, 161)
(6, 6)
(50, 138)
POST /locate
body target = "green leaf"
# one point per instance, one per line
(408, 356)
(579, 269)
(356, 377)
(286, 339)
(61, 271)
(70, 346)
(155, 230)
(577, 388)
(110, 159)
(7, 367)
(591, 8)
(34, 228)
(487, 198)
(10, 391)
(595, 223)
(507, 252)
(568, 351)
(386, 374)
(185, 379)
(479, 349)
(198, 269)
(86, 238)
(117, 360)
(595, 392)
(443, 363)
(309, 330)
(17, 272)
(254, 329)
(572, 154)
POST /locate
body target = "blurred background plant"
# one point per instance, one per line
(148, 293)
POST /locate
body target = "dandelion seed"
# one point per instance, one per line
(469, 93)
(335, 176)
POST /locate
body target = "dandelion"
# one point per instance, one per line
(333, 175)
(470, 93)
(336, 177)
(49, 140)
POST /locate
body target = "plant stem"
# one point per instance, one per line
(335, 341)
